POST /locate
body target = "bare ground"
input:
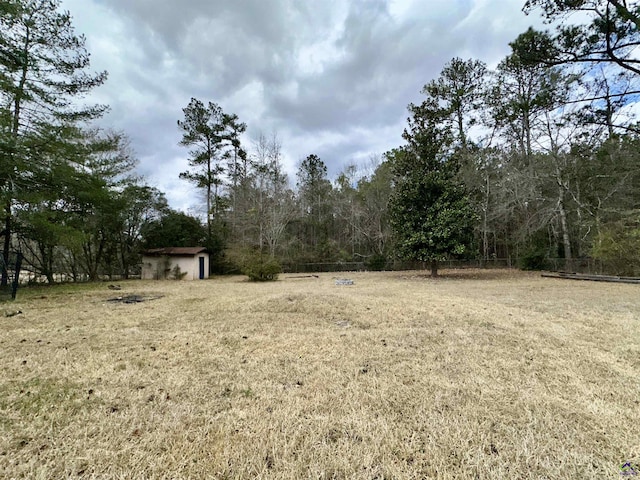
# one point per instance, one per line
(479, 374)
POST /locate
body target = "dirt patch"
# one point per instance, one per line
(134, 298)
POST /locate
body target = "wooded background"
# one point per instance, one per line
(531, 162)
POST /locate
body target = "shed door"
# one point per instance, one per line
(201, 268)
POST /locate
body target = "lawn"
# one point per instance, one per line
(478, 374)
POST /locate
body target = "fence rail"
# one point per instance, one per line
(583, 265)
(397, 265)
(576, 265)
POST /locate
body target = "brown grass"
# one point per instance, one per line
(475, 375)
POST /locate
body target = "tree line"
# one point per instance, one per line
(535, 159)
(69, 197)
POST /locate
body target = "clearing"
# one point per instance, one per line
(479, 374)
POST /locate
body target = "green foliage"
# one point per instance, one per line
(227, 264)
(430, 211)
(174, 229)
(43, 62)
(555, 163)
(43, 72)
(603, 32)
(315, 195)
(203, 131)
(459, 89)
(533, 260)
(536, 252)
(260, 268)
(212, 135)
(618, 248)
(216, 243)
(376, 262)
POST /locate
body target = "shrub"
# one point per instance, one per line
(376, 262)
(536, 252)
(177, 274)
(261, 268)
(618, 248)
(533, 260)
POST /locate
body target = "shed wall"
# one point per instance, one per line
(161, 268)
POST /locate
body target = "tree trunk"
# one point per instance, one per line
(564, 225)
(7, 243)
(566, 241)
(434, 268)
(463, 137)
(15, 130)
(209, 234)
(485, 225)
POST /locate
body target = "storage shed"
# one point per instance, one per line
(176, 263)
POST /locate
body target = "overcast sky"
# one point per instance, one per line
(330, 77)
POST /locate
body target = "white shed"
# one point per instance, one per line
(178, 263)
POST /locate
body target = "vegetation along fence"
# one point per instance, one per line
(578, 265)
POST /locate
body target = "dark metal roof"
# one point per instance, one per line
(175, 251)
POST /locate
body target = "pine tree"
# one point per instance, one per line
(43, 70)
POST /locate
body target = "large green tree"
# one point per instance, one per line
(203, 130)
(173, 229)
(44, 218)
(430, 211)
(77, 221)
(142, 205)
(106, 172)
(213, 136)
(43, 71)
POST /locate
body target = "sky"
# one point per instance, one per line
(330, 77)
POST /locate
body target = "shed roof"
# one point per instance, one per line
(175, 251)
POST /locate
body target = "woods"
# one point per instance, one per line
(531, 161)
(70, 198)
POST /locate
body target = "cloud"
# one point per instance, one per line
(332, 78)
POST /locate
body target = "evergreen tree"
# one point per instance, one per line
(459, 90)
(203, 130)
(173, 229)
(213, 136)
(430, 211)
(315, 190)
(611, 37)
(43, 70)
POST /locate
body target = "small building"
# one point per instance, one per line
(175, 263)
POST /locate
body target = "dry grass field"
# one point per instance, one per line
(479, 374)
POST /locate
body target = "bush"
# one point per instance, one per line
(618, 248)
(536, 252)
(376, 262)
(177, 274)
(261, 268)
(534, 260)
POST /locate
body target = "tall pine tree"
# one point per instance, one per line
(43, 70)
